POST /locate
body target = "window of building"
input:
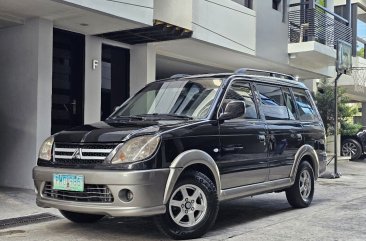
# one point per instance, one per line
(241, 91)
(246, 3)
(306, 110)
(276, 4)
(273, 104)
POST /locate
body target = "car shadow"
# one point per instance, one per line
(232, 213)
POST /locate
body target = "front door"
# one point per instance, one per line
(243, 155)
(67, 80)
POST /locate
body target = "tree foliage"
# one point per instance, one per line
(325, 103)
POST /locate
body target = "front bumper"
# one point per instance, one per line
(148, 187)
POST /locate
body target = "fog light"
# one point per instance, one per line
(125, 195)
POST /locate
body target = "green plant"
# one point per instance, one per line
(325, 102)
(350, 129)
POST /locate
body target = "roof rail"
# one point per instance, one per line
(264, 73)
(176, 76)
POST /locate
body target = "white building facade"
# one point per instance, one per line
(70, 62)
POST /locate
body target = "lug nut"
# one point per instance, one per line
(182, 205)
(186, 211)
(192, 209)
(186, 199)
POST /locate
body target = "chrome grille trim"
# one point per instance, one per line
(91, 193)
(87, 153)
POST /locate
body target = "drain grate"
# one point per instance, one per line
(26, 220)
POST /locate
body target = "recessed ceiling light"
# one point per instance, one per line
(84, 24)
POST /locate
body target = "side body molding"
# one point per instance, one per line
(186, 159)
(305, 150)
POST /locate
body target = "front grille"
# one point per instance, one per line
(81, 154)
(91, 193)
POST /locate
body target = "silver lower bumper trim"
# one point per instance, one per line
(100, 210)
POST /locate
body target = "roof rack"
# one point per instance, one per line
(176, 76)
(264, 73)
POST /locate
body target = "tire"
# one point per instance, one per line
(195, 209)
(81, 217)
(351, 147)
(301, 193)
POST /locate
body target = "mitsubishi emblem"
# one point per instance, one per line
(77, 154)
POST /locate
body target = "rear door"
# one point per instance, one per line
(284, 130)
(243, 154)
(312, 127)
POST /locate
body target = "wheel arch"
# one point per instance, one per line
(305, 153)
(192, 160)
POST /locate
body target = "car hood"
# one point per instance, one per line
(117, 131)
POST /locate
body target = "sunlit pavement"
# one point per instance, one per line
(338, 212)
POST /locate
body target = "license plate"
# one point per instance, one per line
(67, 182)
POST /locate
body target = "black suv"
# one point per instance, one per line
(354, 146)
(182, 145)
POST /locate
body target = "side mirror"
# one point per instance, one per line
(233, 109)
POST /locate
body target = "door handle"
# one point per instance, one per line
(299, 137)
(261, 138)
(232, 148)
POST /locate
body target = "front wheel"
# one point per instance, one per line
(81, 217)
(191, 209)
(301, 193)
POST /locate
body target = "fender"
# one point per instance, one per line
(305, 150)
(186, 159)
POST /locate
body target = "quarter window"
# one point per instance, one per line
(306, 110)
(242, 91)
(273, 104)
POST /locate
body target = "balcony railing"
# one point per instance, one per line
(317, 24)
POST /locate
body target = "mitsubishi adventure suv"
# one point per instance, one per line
(182, 145)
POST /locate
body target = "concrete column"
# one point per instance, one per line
(25, 98)
(363, 120)
(93, 79)
(142, 66)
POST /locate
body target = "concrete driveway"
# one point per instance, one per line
(338, 212)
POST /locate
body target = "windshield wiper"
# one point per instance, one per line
(135, 117)
(157, 115)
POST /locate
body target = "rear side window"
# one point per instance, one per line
(306, 110)
(240, 90)
(273, 104)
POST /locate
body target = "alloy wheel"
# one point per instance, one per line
(305, 184)
(187, 205)
(349, 149)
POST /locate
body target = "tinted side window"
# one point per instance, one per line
(273, 103)
(289, 103)
(241, 91)
(306, 111)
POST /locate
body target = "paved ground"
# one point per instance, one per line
(338, 212)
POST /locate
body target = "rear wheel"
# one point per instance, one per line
(300, 195)
(191, 209)
(81, 217)
(352, 148)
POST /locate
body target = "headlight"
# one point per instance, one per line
(45, 153)
(136, 149)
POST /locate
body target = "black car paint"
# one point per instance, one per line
(360, 137)
(237, 146)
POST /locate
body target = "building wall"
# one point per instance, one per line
(25, 98)
(140, 11)
(225, 23)
(272, 32)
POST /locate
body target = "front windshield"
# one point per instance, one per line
(190, 98)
